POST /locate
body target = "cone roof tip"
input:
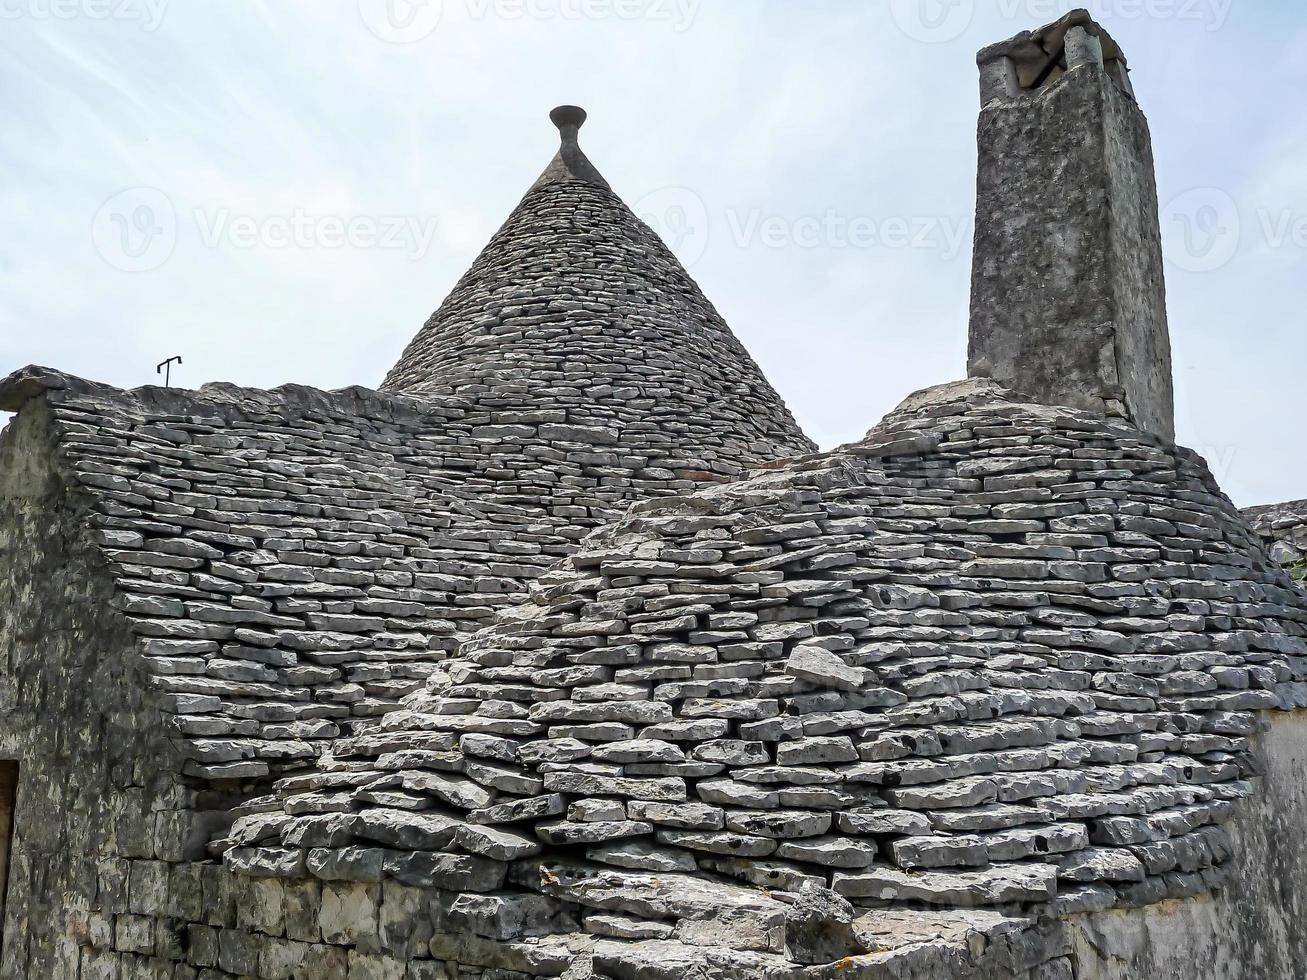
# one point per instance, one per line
(570, 161)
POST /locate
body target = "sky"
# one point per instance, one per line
(283, 190)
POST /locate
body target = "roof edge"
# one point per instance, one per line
(1285, 507)
(36, 381)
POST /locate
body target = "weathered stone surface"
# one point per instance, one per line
(643, 856)
(1017, 720)
(744, 918)
(510, 916)
(1101, 272)
(996, 886)
(565, 833)
(820, 666)
(819, 927)
(451, 872)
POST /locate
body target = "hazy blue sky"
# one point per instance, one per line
(283, 191)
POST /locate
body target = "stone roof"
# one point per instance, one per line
(995, 654)
(296, 560)
(577, 303)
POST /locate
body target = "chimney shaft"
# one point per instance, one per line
(1068, 301)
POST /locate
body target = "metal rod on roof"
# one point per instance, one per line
(165, 368)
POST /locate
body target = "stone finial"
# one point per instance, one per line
(569, 119)
(1068, 302)
(571, 161)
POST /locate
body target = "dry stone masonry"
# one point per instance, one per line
(995, 655)
(295, 561)
(565, 654)
(576, 316)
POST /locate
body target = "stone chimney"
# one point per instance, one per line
(1068, 302)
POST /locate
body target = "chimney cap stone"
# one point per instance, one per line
(1033, 59)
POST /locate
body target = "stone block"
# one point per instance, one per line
(323, 963)
(303, 900)
(218, 886)
(279, 959)
(134, 934)
(147, 888)
(405, 919)
(202, 942)
(260, 906)
(349, 913)
(366, 966)
(510, 916)
(185, 892)
(238, 951)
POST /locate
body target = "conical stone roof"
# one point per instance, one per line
(996, 654)
(577, 307)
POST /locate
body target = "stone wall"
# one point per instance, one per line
(201, 922)
(1249, 930)
(93, 796)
